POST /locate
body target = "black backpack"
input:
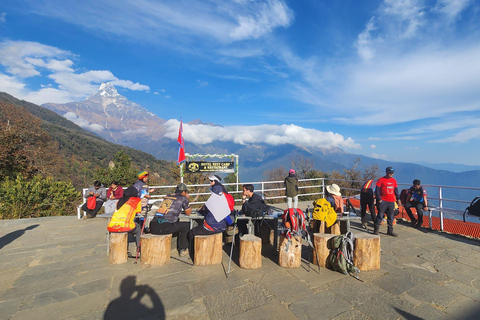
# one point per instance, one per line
(473, 209)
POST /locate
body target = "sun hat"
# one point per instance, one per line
(142, 174)
(214, 177)
(334, 189)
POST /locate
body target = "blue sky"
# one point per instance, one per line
(396, 80)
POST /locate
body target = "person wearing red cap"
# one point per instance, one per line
(291, 189)
(386, 192)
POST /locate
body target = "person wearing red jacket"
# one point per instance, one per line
(114, 193)
(386, 192)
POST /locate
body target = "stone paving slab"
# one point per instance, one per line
(57, 268)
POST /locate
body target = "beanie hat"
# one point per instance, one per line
(142, 175)
(291, 171)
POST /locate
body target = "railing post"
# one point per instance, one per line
(440, 202)
(263, 188)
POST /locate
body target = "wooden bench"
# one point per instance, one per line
(250, 252)
(208, 249)
(155, 249)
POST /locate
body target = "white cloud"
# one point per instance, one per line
(462, 137)
(379, 156)
(202, 83)
(3, 16)
(363, 43)
(79, 121)
(23, 59)
(269, 134)
(141, 130)
(373, 146)
(161, 22)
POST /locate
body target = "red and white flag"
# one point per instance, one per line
(181, 145)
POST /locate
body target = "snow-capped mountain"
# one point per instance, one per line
(112, 116)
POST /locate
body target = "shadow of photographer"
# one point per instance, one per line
(131, 303)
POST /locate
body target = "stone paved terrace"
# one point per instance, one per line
(57, 268)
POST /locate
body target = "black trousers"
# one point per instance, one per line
(367, 200)
(178, 228)
(419, 207)
(92, 213)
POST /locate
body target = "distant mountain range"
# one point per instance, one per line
(113, 117)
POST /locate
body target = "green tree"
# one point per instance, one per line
(120, 170)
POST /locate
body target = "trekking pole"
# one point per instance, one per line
(149, 206)
(233, 243)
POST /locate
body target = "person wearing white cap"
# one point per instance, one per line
(335, 197)
(291, 189)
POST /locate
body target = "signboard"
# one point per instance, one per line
(209, 166)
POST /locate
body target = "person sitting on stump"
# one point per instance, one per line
(255, 205)
(210, 223)
(166, 221)
(100, 193)
(335, 197)
(123, 218)
(142, 188)
(114, 193)
(417, 198)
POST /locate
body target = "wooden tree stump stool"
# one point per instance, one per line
(250, 252)
(117, 248)
(321, 242)
(366, 255)
(334, 228)
(155, 249)
(208, 249)
(290, 255)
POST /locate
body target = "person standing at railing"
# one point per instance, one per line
(367, 199)
(386, 192)
(291, 189)
(417, 198)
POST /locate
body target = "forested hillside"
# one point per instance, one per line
(76, 154)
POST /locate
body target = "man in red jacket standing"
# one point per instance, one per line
(386, 192)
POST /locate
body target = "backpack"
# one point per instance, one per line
(341, 254)
(473, 209)
(322, 210)
(403, 196)
(293, 222)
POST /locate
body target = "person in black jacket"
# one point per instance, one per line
(255, 204)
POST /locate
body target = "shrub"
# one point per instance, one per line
(36, 197)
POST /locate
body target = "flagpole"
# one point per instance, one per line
(181, 149)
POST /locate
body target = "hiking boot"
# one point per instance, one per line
(183, 253)
(419, 224)
(393, 234)
(376, 231)
(413, 223)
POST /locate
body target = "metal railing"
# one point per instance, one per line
(271, 190)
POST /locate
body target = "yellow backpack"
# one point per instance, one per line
(322, 210)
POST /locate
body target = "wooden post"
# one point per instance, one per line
(366, 255)
(322, 248)
(290, 254)
(118, 247)
(250, 252)
(208, 249)
(155, 249)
